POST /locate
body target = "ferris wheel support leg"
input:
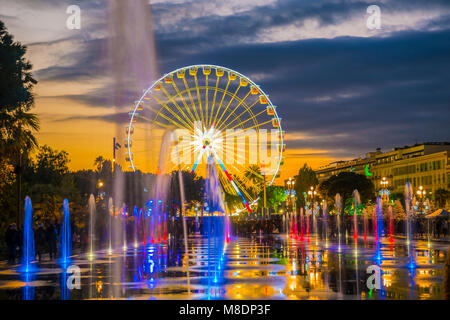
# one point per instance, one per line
(197, 161)
(232, 182)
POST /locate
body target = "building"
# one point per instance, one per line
(425, 164)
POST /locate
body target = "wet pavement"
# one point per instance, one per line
(267, 267)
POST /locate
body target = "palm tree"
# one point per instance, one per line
(253, 175)
(17, 141)
(98, 162)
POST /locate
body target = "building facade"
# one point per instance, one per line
(425, 165)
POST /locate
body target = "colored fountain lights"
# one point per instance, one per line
(66, 236)
(28, 255)
(338, 203)
(409, 215)
(356, 203)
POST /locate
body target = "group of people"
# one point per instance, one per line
(45, 240)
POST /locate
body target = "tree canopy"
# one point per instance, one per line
(345, 183)
(305, 179)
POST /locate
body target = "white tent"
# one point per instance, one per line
(438, 213)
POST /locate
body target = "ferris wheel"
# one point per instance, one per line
(218, 113)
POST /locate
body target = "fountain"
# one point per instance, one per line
(391, 223)
(378, 218)
(124, 226)
(338, 204)
(356, 203)
(28, 255)
(409, 216)
(66, 236)
(91, 209)
(110, 217)
(135, 224)
(325, 221)
(366, 224)
(302, 224)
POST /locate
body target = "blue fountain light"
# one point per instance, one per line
(66, 237)
(29, 255)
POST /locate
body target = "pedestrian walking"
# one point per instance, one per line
(12, 241)
(40, 240)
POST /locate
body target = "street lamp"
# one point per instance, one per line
(384, 192)
(421, 193)
(290, 185)
(312, 194)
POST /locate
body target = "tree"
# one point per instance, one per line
(254, 177)
(305, 179)
(51, 165)
(441, 196)
(49, 182)
(98, 163)
(275, 197)
(345, 183)
(17, 125)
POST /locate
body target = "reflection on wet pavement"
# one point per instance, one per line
(268, 267)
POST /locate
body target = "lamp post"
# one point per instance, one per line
(421, 193)
(384, 192)
(290, 185)
(312, 194)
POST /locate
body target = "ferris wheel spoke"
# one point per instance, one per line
(232, 112)
(214, 101)
(221, 101)
(228, 105)
(199, 99)
(174, 114)
(246, 129)
(231, 181)
(251, 118)
(199, 157)
(206, 100)
(159, 123)
(178, 107)
(192, 100)
(184, 102)
(246, 110)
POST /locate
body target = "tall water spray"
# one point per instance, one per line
(158, 224)
(409, 215)
(28, 255)
(325, 221)
(135, 225)
(356, 203)
(214, 194)
(338, 204)
(110, 217)
(378, 227)
(66, 236)
(91, 209)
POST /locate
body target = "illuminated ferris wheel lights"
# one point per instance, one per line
(206, 110)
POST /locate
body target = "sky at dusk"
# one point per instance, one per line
(341, 89)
